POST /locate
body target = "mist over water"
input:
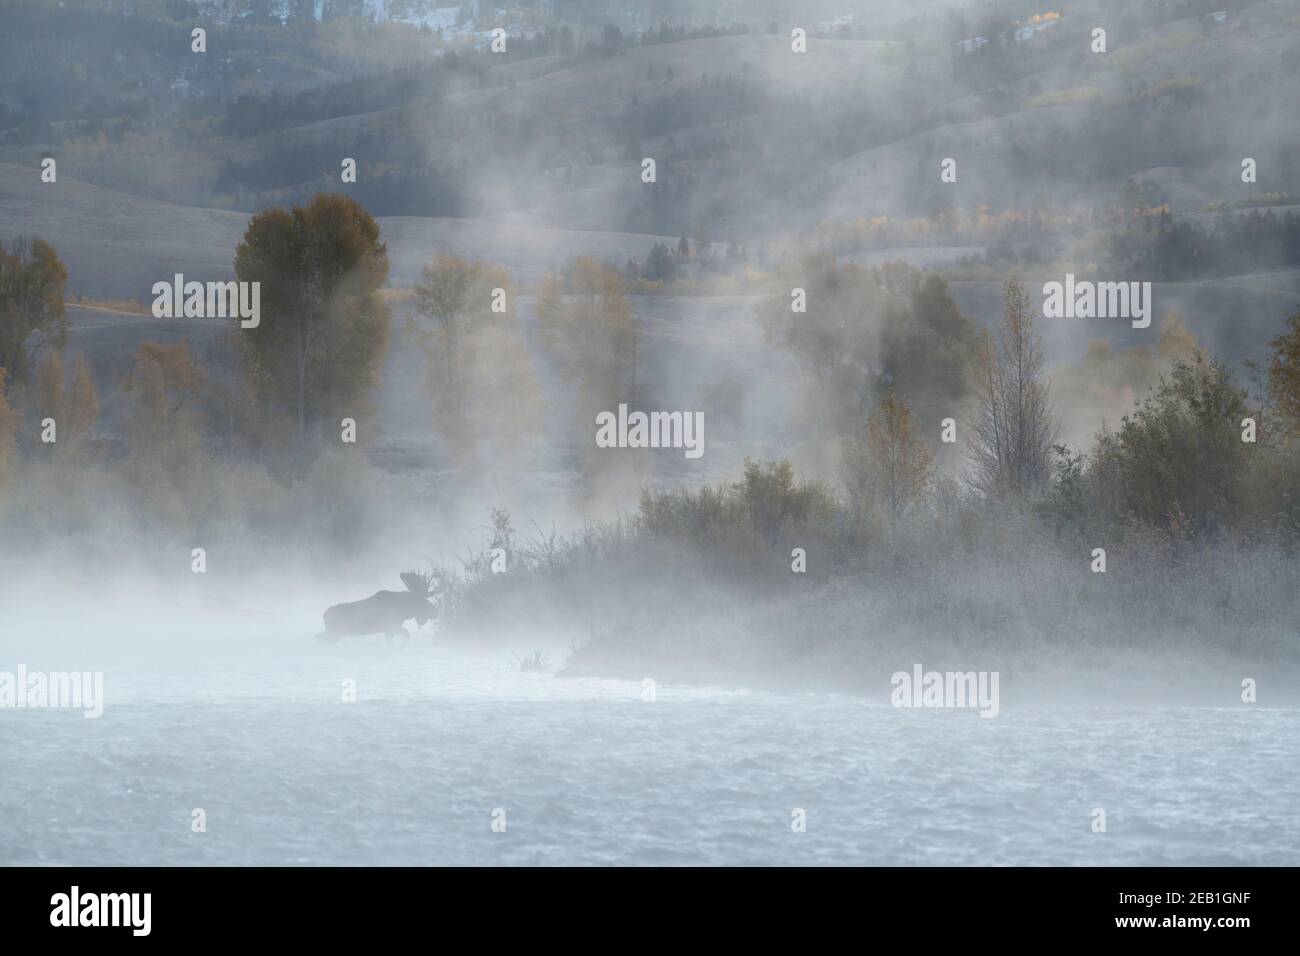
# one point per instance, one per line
(589, 773)
(638, 655)
(231, 707)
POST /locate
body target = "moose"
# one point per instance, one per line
(384, 612)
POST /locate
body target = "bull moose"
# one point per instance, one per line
(384, 612)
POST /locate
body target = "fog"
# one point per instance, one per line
(824, 228)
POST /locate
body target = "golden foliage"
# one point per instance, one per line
(74, 404)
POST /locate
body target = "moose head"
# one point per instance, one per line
(420, 589)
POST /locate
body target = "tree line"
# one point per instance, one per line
(893, 371)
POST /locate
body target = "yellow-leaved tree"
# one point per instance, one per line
(886, 463)
(487, 400)
(72, 401)
(8, 429)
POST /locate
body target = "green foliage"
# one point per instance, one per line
(746, 529)
(1178, 459)
(660, 266)
(1177, 463)
(776, 503)
(682, 548)
(868, 332)
(927, 348)
(1169, 249)
(1065, 505)
(761, 509)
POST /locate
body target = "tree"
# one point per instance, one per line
(324, 326)
(1284, 374)
(925, 350)
(32, 317)
(566, 45)
(659, 266)
(486, 396)
(774, 501)
(834, 337)
(590, 333)
(163, 390)
(888, 463)
(735, 256)
(1178, 460)
(591, 330)
(74, 404)
(869, 332)
(987, 446)
(1132, 200)
(163, 397)
(8, 429)
(1012, 432)
(550, 313)
(443, 295)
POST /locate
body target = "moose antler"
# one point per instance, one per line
(417, 582)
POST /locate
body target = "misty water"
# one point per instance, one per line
(879, 482)
(588, 772)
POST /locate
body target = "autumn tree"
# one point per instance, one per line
(73, 402)
(32, 317)
(486, 396)
(164, 396)
(453, 295)
(1012, 430)
(591, 332)
(163, 389)
(228, 409)
(324, 327)
(1284, 375)
(550, 313)
(8, 430)
(886, 463)
(1104, 384)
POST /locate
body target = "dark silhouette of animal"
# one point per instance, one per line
(384, 612)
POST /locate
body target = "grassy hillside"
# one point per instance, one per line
(117, 245)
(750, 139)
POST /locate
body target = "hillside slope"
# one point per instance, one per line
(117, 245)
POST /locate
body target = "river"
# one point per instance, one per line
(438, 746)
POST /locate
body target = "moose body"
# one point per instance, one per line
(384, 612)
